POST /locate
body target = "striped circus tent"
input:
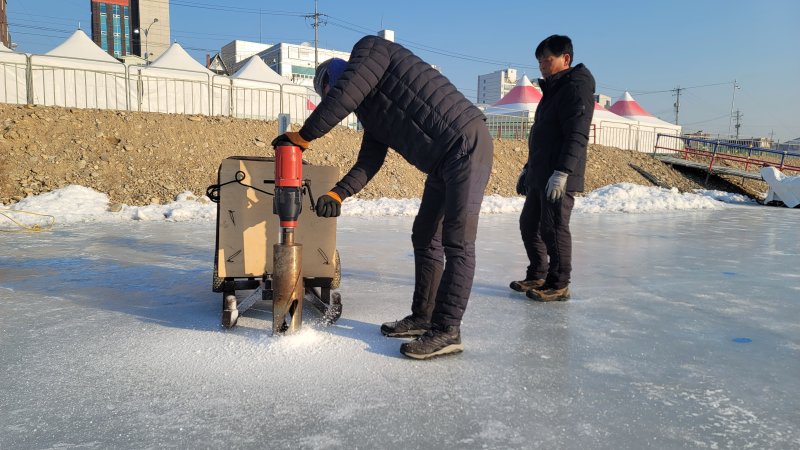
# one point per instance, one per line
(521, 100)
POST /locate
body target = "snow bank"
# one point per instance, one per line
(76, 204)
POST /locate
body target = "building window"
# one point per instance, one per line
(127, 30)
(103, 28)
(116, 20)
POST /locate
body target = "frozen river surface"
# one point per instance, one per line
(683, 332)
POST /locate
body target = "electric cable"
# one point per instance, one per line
(213, 194)
(36, 228)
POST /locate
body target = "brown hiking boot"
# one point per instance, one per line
(438, 341)
(526, 285)
(549, 294)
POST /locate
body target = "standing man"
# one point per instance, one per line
(554, 171)
(404, 103)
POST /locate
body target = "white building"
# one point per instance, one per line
(236, 52)
(151, 18)
(296, 61)
(604, 100)
(494, 86)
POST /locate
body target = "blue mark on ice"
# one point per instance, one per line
(742, 340)
(730, 274)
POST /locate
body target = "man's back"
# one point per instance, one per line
(402, 102)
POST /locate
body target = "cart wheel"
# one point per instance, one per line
(216, 281)
(337, 272)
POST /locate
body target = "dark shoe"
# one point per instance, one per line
(408, 326)
(438, 341)
(549, 294)
(526, 285)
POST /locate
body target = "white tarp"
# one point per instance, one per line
(781, 187)
(176, 83)
(79, 74)
(13, 82)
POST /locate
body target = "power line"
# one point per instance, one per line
(227, 8)
(40, 35)
(343, 24)
(638, 93)
(707, 120)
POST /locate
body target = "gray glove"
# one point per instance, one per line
(522, 189)
(556, 186)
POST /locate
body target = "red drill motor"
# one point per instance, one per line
(288, 201)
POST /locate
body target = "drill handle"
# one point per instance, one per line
(307, 185)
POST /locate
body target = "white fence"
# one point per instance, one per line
(638, 136)
(74, 83)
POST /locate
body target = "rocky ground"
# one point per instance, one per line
(144, 158)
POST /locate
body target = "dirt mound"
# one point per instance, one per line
(144, 158)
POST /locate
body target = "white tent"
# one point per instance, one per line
(511, 116)
(176, 83)
(649, 125)
(13, 85)
(78, 73)
(612, 130)
(258, 92)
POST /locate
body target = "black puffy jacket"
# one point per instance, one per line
(401, 101)
(560, 131)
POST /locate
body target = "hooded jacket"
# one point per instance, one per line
(560, 132)
(401, 101)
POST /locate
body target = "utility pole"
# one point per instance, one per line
(316, 26)
(738, 116)
(733, 101)
(316, 35)
(677, 91)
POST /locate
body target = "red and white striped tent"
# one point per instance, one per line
(626, 106)
(521, 100)
(601, 114)
(649, 125)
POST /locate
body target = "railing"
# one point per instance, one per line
(74, 82)
(636, 136)
(82, 83)
(725, 157)
(13, 81)
(508, 126)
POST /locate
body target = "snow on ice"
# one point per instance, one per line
(81, 204)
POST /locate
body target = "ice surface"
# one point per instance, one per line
(110, 337)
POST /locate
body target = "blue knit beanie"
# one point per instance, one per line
(333, 69)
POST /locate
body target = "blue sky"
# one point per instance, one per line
(646, 47)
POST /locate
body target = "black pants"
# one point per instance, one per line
(545, 232)
(446, 227)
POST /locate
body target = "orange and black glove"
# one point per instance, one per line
(329, 205)
(290, 138)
